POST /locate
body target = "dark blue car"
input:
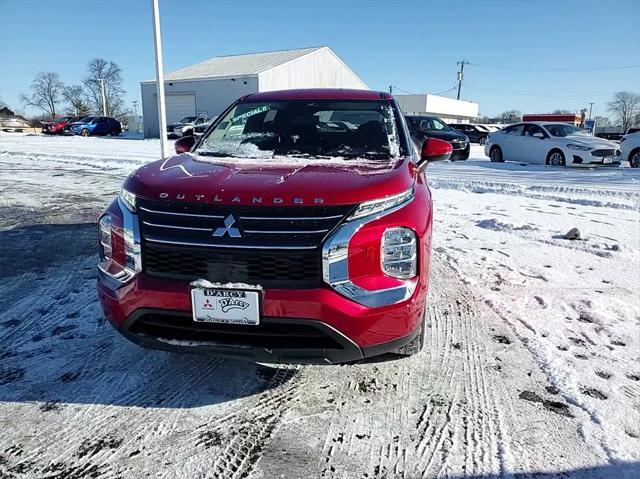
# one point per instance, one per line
(97, 126)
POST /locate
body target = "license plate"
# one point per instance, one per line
(607, 161)
(229, 306)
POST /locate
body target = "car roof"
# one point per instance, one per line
(318, 94)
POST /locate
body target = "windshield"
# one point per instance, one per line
(482, 128)
(564, 130)
(314, 128)
(188, 119)
(433, 124)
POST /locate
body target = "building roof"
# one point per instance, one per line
(318, 94)
(237, 65)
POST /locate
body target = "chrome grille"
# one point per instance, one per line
(603, 153)
(273, 246)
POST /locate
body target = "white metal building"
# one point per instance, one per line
(448, 109)
(210, 86)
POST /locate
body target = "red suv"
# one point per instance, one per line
(298, 229)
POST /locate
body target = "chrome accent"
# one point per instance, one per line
(175, 213)
(284, 218)
(228, 229)
(176, 227)
(279, 232)
(133, 257)
(213, 245)
(335, 265)
(131, 231)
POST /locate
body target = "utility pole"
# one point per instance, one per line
(590, 108)
(162, 113)
(460, 76)
(104, 97)
(391, 89)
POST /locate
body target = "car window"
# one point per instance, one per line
(530, 130)
(433, 124)
(515, 130)
(563, 130)
(316, 128)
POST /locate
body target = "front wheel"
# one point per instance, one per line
(556, 158)
(634, 159)
(496, 155)
(85, 132)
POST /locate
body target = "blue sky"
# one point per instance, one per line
(413, 45)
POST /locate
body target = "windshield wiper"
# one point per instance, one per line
(217, 154)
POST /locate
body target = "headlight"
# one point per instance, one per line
(398, 253)
(128, 199)
(573, 146)
(104, 236)
(376, 206)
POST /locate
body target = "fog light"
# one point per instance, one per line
(399, 253)
(104, 236)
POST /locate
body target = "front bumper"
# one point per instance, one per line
(318, 344)
(360, 331)
(460, 153)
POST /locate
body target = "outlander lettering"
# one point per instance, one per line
(297, 229)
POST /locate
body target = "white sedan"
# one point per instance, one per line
(630, 148)
(556, 144)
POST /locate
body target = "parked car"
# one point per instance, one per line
(475, 133)
(556, 144)
(185, 126)
(198, 130)
(57, 126)
(630, 149)
(423, 127)
(14, 123)
(270, 261)
(96, 126)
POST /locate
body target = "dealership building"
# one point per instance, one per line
(208, 87)
(448, 109)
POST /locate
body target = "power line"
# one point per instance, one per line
(393, 87)
(561, 69)
(537, 95)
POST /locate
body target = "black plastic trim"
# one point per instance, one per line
(350, 350)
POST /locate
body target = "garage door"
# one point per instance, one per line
(179, 106)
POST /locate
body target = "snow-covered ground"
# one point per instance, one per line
(531, 369)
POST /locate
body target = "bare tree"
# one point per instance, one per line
(46, 90)
(75, 96)
(625, 106)
(511, 116)
(602, 121)
(100, 70)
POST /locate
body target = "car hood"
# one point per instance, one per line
(175, 125)
(282, 181)
(590, 141)
(446, 135)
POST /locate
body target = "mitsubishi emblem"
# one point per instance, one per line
(233, 232)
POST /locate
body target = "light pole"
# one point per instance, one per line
(162, 116)
(104, 97)
(590, 108)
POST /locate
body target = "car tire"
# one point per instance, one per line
(634, 158)
(85, 132)
(415, 345)
(556, 158)
(495, 155)
(115, 133)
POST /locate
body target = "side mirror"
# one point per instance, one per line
(539, 135)
(434, 150)
(184, 144)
